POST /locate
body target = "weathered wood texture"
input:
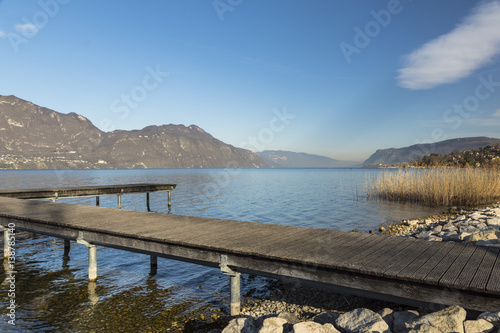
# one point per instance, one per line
(65, 192)
(399, 269)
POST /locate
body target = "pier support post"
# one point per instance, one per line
(169, 197)
(97, 201)
(235, 305)
(119, 201)
(154, 265)
(147, 201)
(92, 263)
(92, 256)
(235, 294)
(67, 247)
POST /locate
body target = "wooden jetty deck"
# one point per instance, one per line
(55, 193)
(404, 270)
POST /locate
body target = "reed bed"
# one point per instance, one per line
(438, 187)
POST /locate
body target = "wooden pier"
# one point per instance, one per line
(397, 269)
(90, 191)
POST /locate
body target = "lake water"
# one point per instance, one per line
(53, 294)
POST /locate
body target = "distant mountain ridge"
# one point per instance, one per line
(414, 152)
(36, 137)
(289, 159)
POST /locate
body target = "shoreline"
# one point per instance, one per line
(289, 305)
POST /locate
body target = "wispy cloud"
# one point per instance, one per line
(455, 55)
(2, 34)
(496, 113)
(27, 29)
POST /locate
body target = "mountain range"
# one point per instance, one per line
(36, 137)
(407, 154)
(289, 159)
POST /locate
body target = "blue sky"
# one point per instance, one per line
(336, 78)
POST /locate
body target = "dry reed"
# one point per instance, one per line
(438, 187)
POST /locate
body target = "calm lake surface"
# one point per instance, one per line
(53, 294)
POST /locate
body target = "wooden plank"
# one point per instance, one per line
(456, 268)
(483, 273)
(407, 257)
(493, 285)
(377, 265)
(324, 248)
(409, 270)
(369, 251)
(437, 272)
(429, 265)
(470, 269)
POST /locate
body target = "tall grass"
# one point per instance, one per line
(438, 187)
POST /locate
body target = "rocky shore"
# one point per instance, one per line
(293, 308)
(479, 226)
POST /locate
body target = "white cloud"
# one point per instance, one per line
(496, 113)
(2, 34)
(27, 29)
(455, 55)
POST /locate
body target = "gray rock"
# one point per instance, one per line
(492, 317)
(240, 325)
(387, 316)
(424, 328)
(487, 242)
(289, 317)
(437, 230)
(478, 326)
(469, 229)
(477, 216)
(273, 325)
(362, 321)
(424, 235)
(483, 235)
(481, 225)
(493, 221)
(404, 319)
(448, 320)
(464, 236)
(450, 236)
(326, 317)
(449, 227)
(313, 327)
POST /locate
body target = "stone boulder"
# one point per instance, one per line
(313, 327)
(403, 319)
(328, 317)
(448, 320)
(478, 326)
(362, 321)
(387, 315)
(273, 325)
(240, 325)
(492, 317)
